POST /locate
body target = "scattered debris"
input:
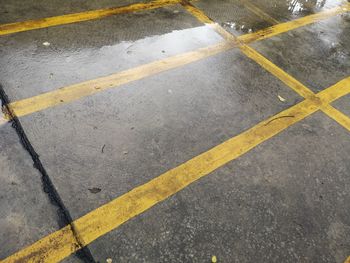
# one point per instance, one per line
(176, 11)
(132, 128)
(214, 259)
(125, 152)
(281, 98)
(281, 117)
(163, 51)
(103, 147)
(51, 75)
(94, 190)
(46, 44)
(109, 260)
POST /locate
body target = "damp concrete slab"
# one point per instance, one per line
(18, 11)
(285, 201)
(288, 10)
(26, 213)
(124, 137)
(232, 15)
(343, 104)
(316, 55)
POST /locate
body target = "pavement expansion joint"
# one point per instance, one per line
(63, 215)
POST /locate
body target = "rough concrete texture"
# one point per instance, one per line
(343, 104)
(26, 213)
(317, 55)
(287, 200)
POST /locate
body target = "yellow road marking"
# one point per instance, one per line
(347, 260)
(287, 79)
(80, 90)
(77, 91)
(108, 217)
(11, 28)
(337, 115)
(287, 26)
(259, 12)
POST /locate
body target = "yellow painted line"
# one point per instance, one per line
(80, 90)
(11, 28)
(337, 115)
(294, 84)
(277, 72)
(196, 12)
(283, 76)
(61, 244)
(347, 260)
(254, 9)
(294, 24)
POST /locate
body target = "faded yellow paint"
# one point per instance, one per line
(257, 11)
(60, 244)
(347, 260)
(11, 28)
(294, 24)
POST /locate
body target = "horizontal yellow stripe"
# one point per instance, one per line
(11, 28)
(104, 219)
(294, 24)
(80, 90)
(259, 12)
(77, 91)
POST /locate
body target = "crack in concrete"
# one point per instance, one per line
(64, 217)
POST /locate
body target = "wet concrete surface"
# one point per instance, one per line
(17, 11)
(288, 10)
(150, 126)
(26, 213)
(96, 50)
(285, 201)
(232, 15)
(317, 55)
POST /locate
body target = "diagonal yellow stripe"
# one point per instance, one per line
(287, 79)
(251, 7)
(108, 217)
(294, 24)
(77, 91)
(11, 28)
(80, 90)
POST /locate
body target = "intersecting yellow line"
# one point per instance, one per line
(61, 244)
(11, 28)
(80, 90)
(287, 79)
